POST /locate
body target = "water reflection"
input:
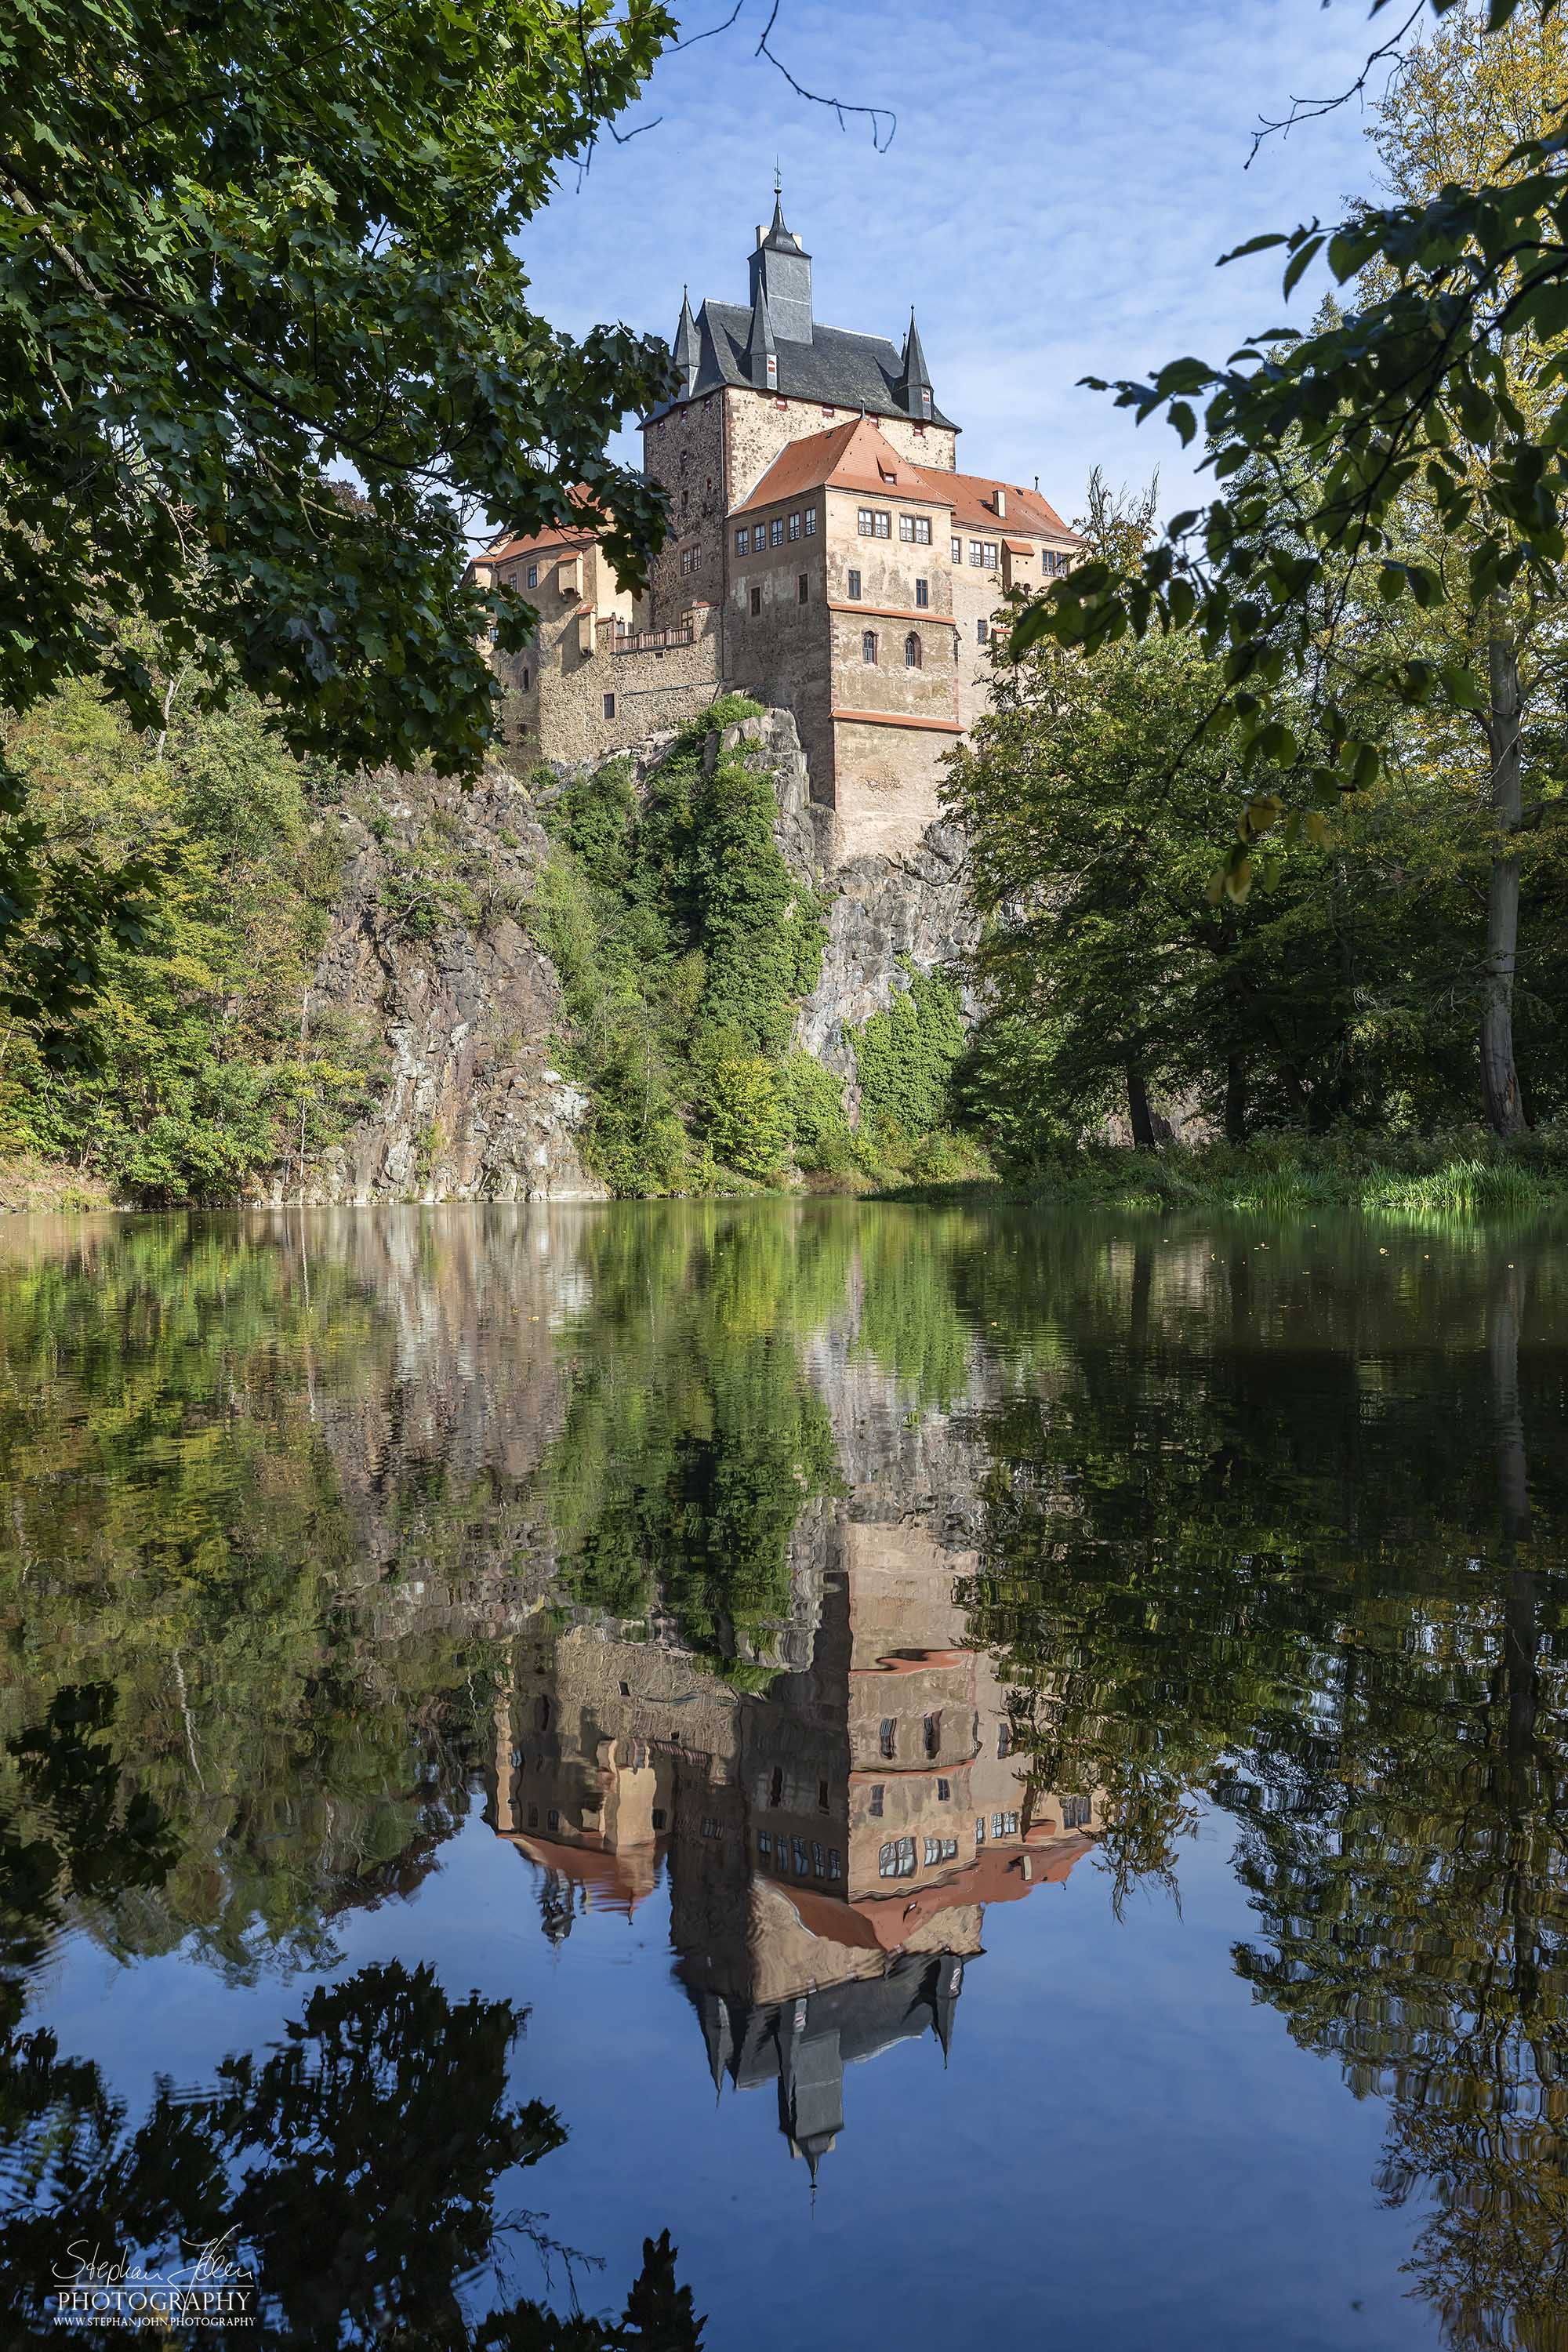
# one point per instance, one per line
(835, 1574)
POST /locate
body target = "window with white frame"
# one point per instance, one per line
(869, 646)
(874, 522)
(916, 529)
(809, 520)
(775, 531)
(958, 551)
(759, 536)
(794, 526)
(742, 540)
(923, 593)
(852, 587)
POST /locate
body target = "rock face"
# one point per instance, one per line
(425, 946)
(429, 950)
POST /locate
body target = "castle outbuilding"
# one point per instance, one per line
(825, 555)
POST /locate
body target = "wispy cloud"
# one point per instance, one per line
(1064, 177)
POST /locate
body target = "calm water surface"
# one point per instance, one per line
(1000, 1779)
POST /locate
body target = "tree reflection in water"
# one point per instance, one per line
(1331, 1597)
(353, 2172)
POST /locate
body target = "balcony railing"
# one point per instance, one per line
(650, 641)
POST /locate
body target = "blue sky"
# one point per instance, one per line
(1064, 175)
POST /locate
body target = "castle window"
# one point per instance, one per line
(835, 1863)
(933, 1730)
(869, 646)
(915, 527)
(933, 1851)
(609, 706)
(802, 589)
(873, 522)
(923, 593)
(658, 1819)
(775, 531)
(525, 677)
(759, 536)
(979, 1831)
(794, 526)
(810, 518)
(854, 588)
(552, 1819)
(1075, 1812)
(802, 1866)
(911, 651)
(822, 1796)
(877, 1795)
(756, 601)
(977, 551)
(684, 500)
(776, 1787)
(533, 575)
(533, 1817)
(1003, 1739)
(889, 1741)
(944, 1792)
(765, 1845)
(819, 1860)
(742, 540)
(958, 551)
(981, 630)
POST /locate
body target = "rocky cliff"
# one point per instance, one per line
(429, 949)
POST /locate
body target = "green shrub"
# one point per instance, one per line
(905, 1057)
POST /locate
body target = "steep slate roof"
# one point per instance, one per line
(839, 369)
(853, 455)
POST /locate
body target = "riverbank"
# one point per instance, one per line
(1469, 1174)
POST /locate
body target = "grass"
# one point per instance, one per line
(1470, 1174)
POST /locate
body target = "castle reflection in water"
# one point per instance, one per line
(831, 1844)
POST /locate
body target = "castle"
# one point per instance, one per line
(825, 555)
(831, 1847)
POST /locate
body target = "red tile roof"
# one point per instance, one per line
(853, 456)
(975, 506)
(858, 456)
(509, 545)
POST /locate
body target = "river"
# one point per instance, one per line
(997, 1776)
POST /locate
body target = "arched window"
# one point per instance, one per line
(869, 647)
(911, 651)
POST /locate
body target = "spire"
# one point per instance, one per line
(762, 351)
(781, 263)
(914, 385)
(686, 349)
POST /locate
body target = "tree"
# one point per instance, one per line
(1443, 385)
(269, 348)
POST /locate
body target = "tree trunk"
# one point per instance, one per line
(1137, 1111)
(1235, 1100)
(1500, 1080)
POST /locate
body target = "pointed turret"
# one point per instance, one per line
(781, 267)
(914, 385)
(761, 350)
(686, 347)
